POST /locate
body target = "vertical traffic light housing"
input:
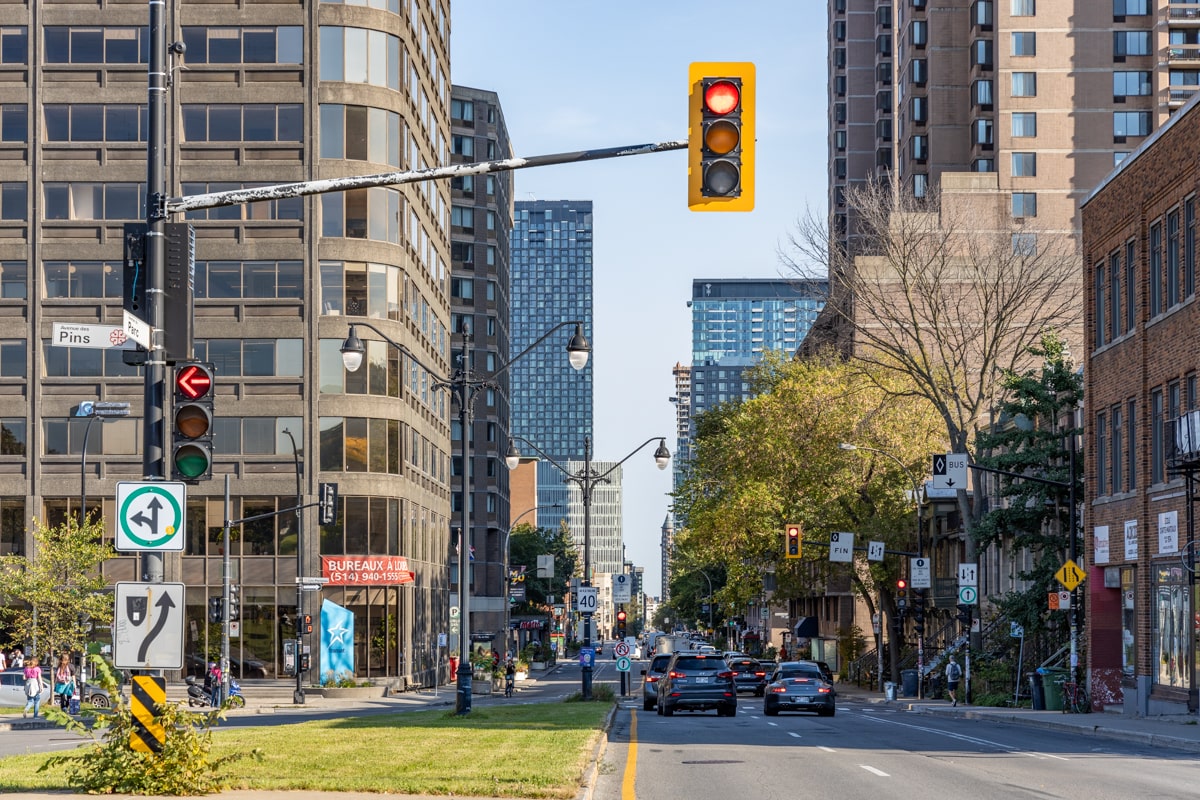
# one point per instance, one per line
(793, 540)
(721, 136)
(901, 594)
(192, 422)
(622, 619)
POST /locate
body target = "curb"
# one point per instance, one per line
(592, 773)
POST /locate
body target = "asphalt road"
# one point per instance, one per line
(870, 750)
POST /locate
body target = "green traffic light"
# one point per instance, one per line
(192, 461)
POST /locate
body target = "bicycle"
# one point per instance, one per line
(1075, 699)
(509, 685)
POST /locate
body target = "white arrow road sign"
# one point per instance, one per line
(150, 515)
(148, 626)
(950, 471)
(875, 551)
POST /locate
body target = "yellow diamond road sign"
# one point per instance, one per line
(1070, 575)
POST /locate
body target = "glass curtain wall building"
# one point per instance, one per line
(271, 93)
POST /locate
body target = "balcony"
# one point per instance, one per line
(1178, 95)
(1183, 53)
(1183, 16)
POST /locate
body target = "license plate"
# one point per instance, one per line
(702, 680)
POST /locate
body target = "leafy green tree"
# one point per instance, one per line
(774, 460)
(55, 595)
(1036, 421)
(525, 544)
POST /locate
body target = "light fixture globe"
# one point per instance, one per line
(513, 457)
(578, 349)
(847, 446)
(352, 351)
(662, 456)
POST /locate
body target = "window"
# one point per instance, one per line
(1024, 123)
(839, 31)
(1126, 124)
(981, 93)
(1189, 247)
(981, 53)
(362, 214)
(1131, 8)
(14, 45)
(1173, 258)
(920, 184)
(919, 33)
(1024, 165)
(226, 122)
(463, 288)
(360, 133)
(919, 71)
(1024, 84)
(1101, 453)
(983, 132)
(1101, 305)
(14, 123)
(1131, 452)
(1154, 271)
(1024, 43)
(839, 141)
(461, 145)
(462, 217)
(81, 279)
(983, 165)
(839, 85)
(250, 45)
(920, 109)
(1022, 8)
(883, 44)
(14, 203)
(1135, 83)
(462, 110)
(253, 357)
(982, 14)
(920, 148)
(1024, 204)
(1157, 429)
(1131, 43)
(1130, 284)
(14, 277)
(1116, 296)
(1024, 244)
(12, 437)
(96, 45)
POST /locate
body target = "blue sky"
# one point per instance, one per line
(572, 76)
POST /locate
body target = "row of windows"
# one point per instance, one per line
(361, 133)
(228, 122)
(285, 208)
(379, 291)
(234, 358)
(362, 214)
(1172, 267)
(247, 436)
(1115, 295)
(360, 444)
(1116, 449)
(381, 375)
(266, 45)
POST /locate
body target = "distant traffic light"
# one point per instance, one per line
(235, 605)
(721, 136)
(964, 614)
(214, 609)
(901, 593)
(792, 546)
(192, 446)
(622, 618)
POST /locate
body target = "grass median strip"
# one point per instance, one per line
(516, 751)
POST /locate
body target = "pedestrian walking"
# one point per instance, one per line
(953, 676)
(34, 686)
(64, 682)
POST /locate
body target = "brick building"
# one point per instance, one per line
(1139, 242)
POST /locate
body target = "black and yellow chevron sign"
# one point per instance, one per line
(148, 734)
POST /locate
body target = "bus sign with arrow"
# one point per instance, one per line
(950, 471)
(150, 515)
(148, 625)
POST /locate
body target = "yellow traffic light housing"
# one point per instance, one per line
(721, 136)
(794, 538)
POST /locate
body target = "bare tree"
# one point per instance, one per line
(948, 290)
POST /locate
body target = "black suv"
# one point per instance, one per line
(697, 682)
(657, 668)
(748, 674)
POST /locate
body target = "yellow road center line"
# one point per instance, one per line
(627, 783)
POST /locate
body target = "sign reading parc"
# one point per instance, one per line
(365, 570)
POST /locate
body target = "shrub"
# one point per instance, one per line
(601, 693)
(183, 766)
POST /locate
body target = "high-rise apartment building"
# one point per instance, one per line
(1047, 94)
(551, 267)
(481, 221)
(264, 93)
(607, 543)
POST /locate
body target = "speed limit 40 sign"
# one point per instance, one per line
(585, 599)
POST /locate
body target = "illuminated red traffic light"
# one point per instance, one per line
(193, 382)
(722, 97)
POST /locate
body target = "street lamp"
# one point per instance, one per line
(463, 387)
(919, 500)
(507, 563)
(587, 480)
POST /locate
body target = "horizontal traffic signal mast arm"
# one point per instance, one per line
(1021, 476)
(176, 205)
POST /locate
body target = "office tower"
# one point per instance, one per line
(682, 399)
(265, 93)
(607, 543)
(551, 266)
(481, 221)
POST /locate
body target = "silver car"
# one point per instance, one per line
(12, 688)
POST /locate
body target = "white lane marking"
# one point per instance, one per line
(874, 771)
(826, 749)
(773, 724)
(798, 736)
(964, 738)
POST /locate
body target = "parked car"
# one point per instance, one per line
(697, 682)
(799, 686)
(748, 674)
(12, 690)
(656, 669)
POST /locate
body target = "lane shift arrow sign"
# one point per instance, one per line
(164, 604)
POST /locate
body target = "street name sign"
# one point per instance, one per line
(95, 337)
(148, 625)
(150, 515)
(137, 329)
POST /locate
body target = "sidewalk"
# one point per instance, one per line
(1178, 731)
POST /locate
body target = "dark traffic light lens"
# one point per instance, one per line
(192, 421)
(721, 97)
(721, 178)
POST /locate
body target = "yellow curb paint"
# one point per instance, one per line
(627, 783)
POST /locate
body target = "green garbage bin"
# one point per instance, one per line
(1052, 684)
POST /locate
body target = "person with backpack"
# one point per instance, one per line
(34, 686)
(953, 676)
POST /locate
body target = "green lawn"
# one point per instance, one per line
(536, 750)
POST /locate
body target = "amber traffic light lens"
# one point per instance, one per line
(192, 421)
(722, 137)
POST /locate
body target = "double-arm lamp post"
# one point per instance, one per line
(463, 387)
(919, 500)
(587, 480)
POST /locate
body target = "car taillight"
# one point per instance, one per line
(652, 678)
(760, 674)
(779, 689)
(726, 674)
(676, 674)
(823, 690)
